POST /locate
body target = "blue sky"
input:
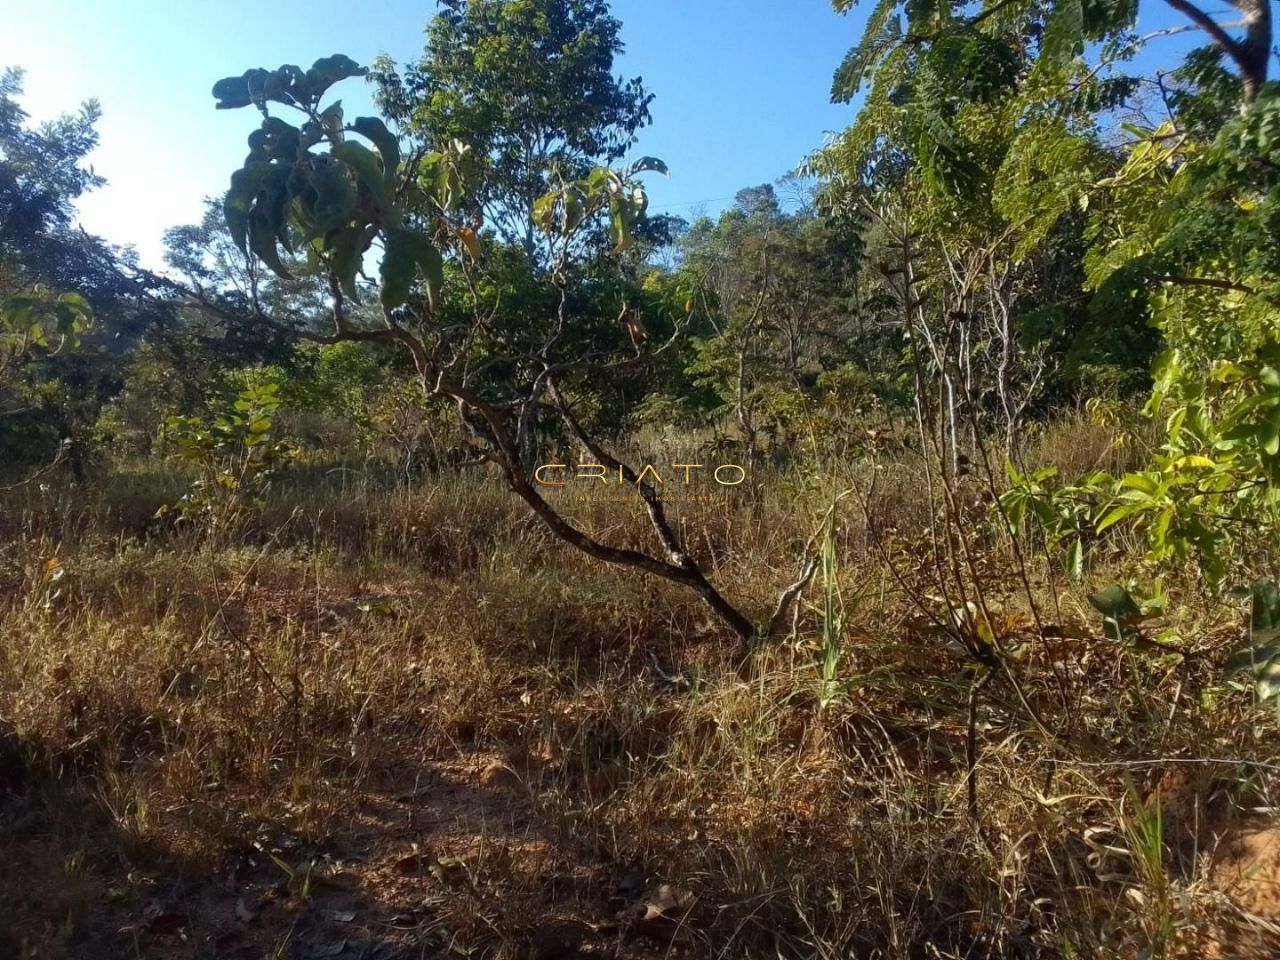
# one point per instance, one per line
(741, 86)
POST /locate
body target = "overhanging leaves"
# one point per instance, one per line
(367, 167)
(407, 253)
(375, 131)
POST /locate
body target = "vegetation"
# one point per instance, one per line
(446, 556)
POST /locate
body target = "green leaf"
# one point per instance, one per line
(335, 195)
(268, 224)
(407, 252)
(439, 173)
(77, 301)
(432, 264)
(233, 92)
(1142, 482)
(374, 130)
(1119, 612)
(1269, 433)
(620, 233)
(1014, 504)
(650, 165)
(346, 252)
(399, 264)
(544, 209)
(1160, 529)
(275, 140)
(245, 183)
(1116, 603)
(367, 166)
(1075, 560)
(1121, 512)
(311, 134)
(575, 209)
(881, 34)
(327, 71)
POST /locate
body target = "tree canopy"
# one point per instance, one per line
(530, 87)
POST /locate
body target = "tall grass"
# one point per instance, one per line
(577, 737)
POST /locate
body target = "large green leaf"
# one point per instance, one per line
(346, 251)
(1269, 433)
(650, 165)
(374, 130)
(268, 224)
(882, 32)
(1116, 603)
(1119, 611)
(335, 195)
(407, 252)
(327, 71)
(233, 92)
(399, 265)
(274, 140)
(367, 167)
(1075, 560)
(245, 183)
(430, 261)
(262, 241)
(544, 209)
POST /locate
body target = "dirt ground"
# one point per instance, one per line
(452, 838)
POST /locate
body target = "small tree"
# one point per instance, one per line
(529, 86)
(338, 190)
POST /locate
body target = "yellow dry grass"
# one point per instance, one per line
(405, 721)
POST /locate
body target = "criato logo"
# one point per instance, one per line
(554, 474)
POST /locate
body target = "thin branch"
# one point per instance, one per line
(44, 471)
(1214, 282)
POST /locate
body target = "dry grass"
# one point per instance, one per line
(404, 720)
